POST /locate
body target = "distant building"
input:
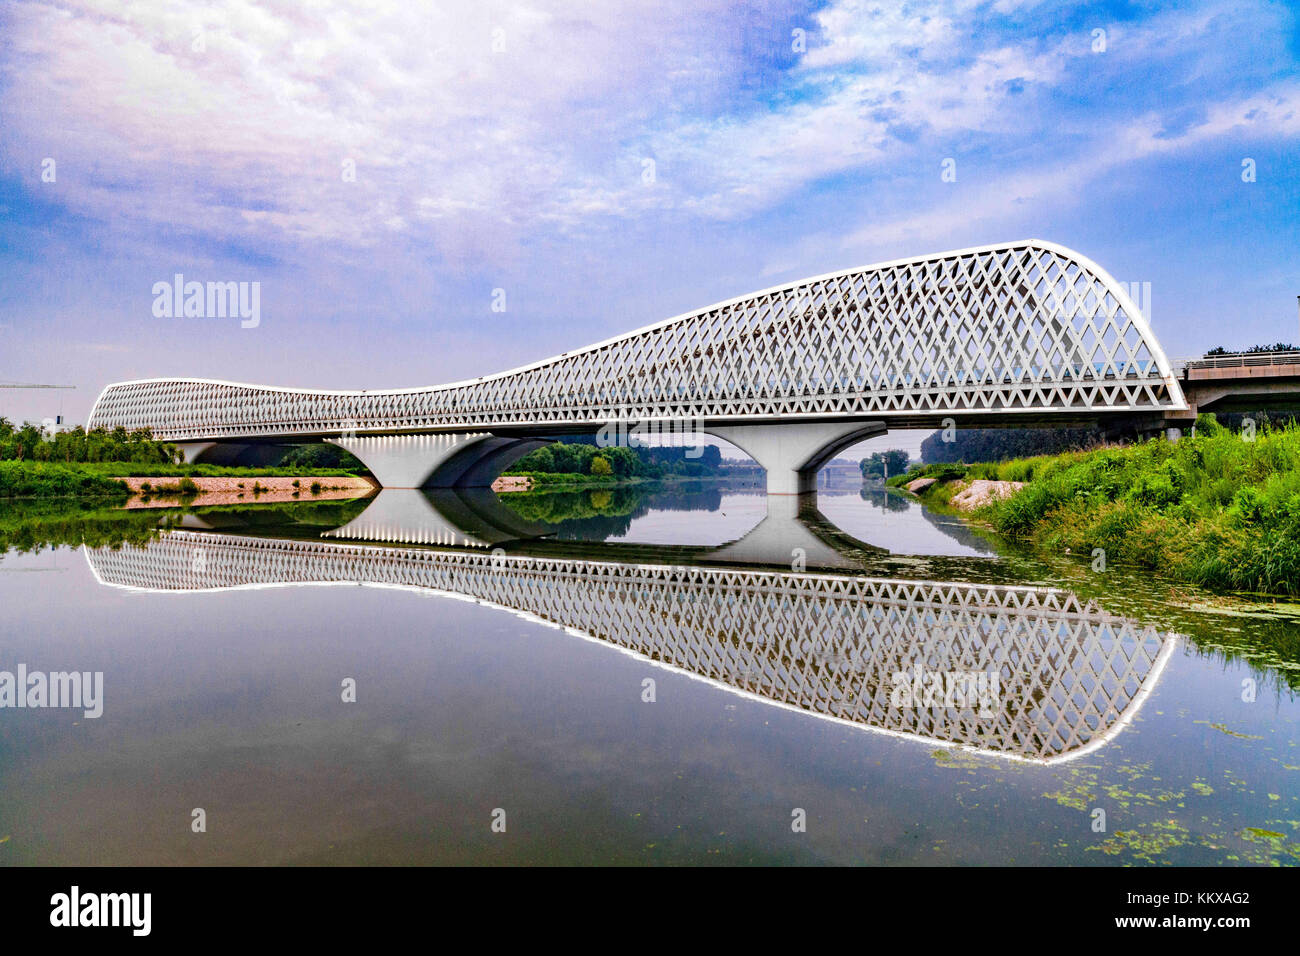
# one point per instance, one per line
(51, 426)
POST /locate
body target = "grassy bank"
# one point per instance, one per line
(1214, 509)
(565, 479)
(39, 479)
(554, 481)
(126, 469)
(55, 479)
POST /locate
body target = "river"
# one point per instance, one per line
(690, 673)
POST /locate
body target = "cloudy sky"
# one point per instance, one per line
(382, 167)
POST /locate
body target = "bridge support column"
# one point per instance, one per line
(470, 460)
(792, 452)
(479, 464)
(408, 461)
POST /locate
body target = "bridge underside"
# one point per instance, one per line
(791, 453)
(470, 460)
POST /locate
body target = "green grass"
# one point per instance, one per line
(127, 469)
(1017, 469)
(570, 478)
(28, 479)
(183, 488)
(1213, 510)
(53, 479)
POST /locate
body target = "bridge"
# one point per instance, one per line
(1018, 334)
(1240, 382)
(1062, 677)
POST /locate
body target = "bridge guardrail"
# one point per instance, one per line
(1237, 360)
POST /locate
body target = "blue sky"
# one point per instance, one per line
(508, 146)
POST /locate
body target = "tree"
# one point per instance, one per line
(319, 455)
(1000, 444)
(29, 436)
(884, 464)
(1254, 349)
(600, 466)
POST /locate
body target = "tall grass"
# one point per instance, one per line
(128, 469)
(1213, 509)
(57, 479)
(29, 479)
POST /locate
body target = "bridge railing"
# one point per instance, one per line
(1237, 360)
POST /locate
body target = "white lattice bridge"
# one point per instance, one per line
(1069, 676)
(1027, 333)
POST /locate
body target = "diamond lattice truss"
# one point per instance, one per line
(1027, 327)
(1069, 675)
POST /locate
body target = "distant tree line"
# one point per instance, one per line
(577, 457)
(30, 443)
(1001, 444)
(320, 455)
(1254, 349)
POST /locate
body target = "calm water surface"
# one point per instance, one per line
(500, 652)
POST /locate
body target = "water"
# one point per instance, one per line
(500, 652)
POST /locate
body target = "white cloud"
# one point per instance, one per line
(219, 119)
(232, 121)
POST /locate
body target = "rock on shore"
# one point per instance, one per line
(982, 491)
(513, 483)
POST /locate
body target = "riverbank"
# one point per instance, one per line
(965, 494)
(120, 480)
(233, 489)
(1217, 509)
(520, 481)
(32, 524)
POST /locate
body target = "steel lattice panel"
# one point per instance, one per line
(1027, 327)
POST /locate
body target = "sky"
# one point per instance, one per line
(388, 172)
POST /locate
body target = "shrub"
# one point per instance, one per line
(1248, 505)
(1212, 509)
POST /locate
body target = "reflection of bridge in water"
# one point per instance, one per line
(792, 532)
(1065, 676)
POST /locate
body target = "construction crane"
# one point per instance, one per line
(57, 420)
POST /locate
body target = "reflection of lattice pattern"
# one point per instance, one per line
(820, 643)
(1026, 327)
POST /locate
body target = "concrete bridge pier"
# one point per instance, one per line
(792, 452)
(407, 461)
(461, 460)
(478, 465)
